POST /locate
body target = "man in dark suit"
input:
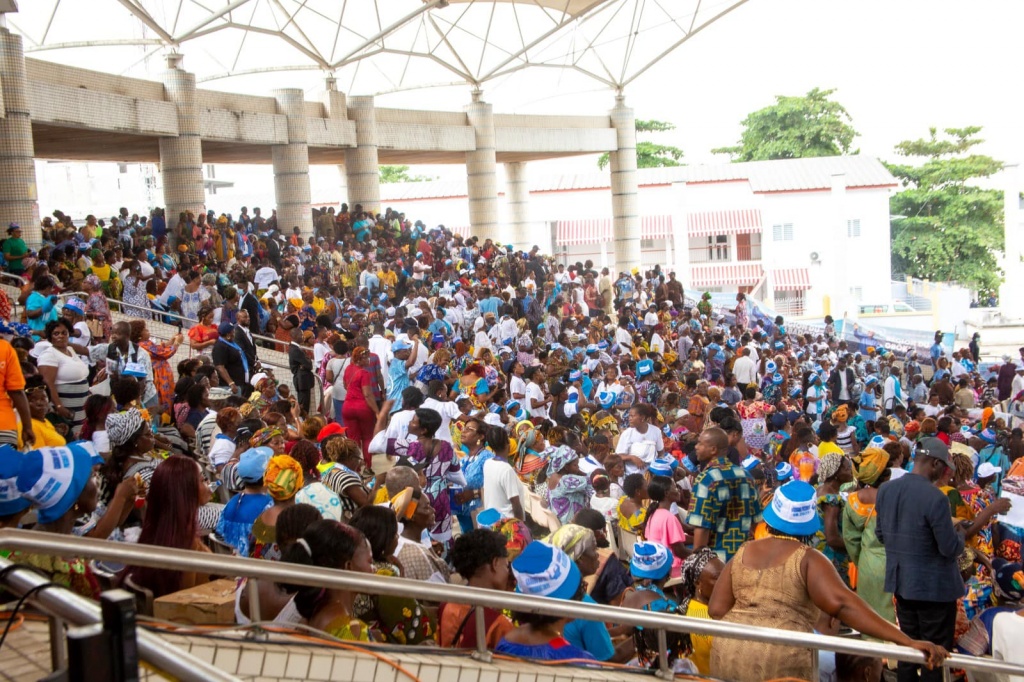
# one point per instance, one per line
(301, 366)
(243, 339)
(840, 382)
(251, 306)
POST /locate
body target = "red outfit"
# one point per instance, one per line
(359, 418)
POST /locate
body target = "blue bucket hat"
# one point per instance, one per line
(783, 471)
(660, 467)
(252, 464)
(794, 509)
(644, 367)
(770, 367)
(575, 375)
(795, 392)
(602, 345)
(50, 478)
(731, 343)
(546, 571)
(777, 379)
(651, 561)
(750, 463)
(592, 348)
(779, 345)
(871, 379)
(487, 518)
(988, 435)
(606, 399)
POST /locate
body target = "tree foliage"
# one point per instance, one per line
(399, 174)
(945, 228)
(794, 128)
(650, 154)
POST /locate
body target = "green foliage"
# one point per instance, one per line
(947, 229)
(650, 154)
(794, 128)
(399, 174)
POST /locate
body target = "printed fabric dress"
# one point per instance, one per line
(841, 560)
(867, 556)
(436, 470)
(163, 376)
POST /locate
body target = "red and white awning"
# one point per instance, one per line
(791, 279)
(738, 221)
(596, 230)
(725, 274)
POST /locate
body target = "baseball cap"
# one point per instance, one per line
(933, 447)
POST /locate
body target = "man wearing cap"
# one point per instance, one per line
(922, 547)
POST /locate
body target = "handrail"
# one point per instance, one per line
(70, 607)
(201, 562)
(10, 275)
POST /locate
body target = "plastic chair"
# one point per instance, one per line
(219, 546)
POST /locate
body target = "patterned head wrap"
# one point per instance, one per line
(561, 458)
(358, 354)
(841, 414)
(264, 436)
(912, 428)
(121, 426)
(871, 463)
(573, 540)
(517, 536)
(692, 567)
(283, 477)
(829, 465)
(92, 282)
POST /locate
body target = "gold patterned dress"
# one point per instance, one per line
(773, 597)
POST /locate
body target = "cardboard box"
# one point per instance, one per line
(209, 604)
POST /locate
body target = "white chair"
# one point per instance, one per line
(626, 542)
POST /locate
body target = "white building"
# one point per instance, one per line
(807, 236)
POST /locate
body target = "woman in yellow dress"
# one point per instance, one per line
(632, 512)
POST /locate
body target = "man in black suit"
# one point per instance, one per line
(243, 339)
(251, 306)
(840, 382)
(301, 366)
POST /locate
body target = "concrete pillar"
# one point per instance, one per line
(481, 172)
(839, 290)
(291, 166)
(1011, 303)
(336, 105)
(518, 195)
(181, 158)
(625, 206)
(17, 151)
(361, 165)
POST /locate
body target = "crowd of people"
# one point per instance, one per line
(538, 426)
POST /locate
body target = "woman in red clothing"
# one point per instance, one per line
(360, 407)
(160, 355)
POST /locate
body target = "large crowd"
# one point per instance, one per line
(538, 426)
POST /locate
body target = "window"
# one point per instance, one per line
(646, 243)
(857, 293)
(782, 233)
(789, 302)
(853, 227)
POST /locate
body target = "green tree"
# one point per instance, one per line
(399, 174)
(945, 228)
(795, 128)
(650, 154)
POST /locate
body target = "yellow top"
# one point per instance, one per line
(701, 655)
(46, 435)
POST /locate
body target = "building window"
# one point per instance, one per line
(853, 228)
(782, 233)
(711, 249)
(857, 293)
(789, 303)
(646, 243)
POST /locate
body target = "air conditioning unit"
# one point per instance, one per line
(815, 257)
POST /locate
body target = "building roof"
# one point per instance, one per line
(789, 175)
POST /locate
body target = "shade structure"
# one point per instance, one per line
(792, 279)
(596, 230)
(725, 274)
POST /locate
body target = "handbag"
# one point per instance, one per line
(96, 330)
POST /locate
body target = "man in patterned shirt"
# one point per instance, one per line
(724, 506)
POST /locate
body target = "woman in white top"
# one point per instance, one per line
(65, 373)
(641, 443)
(336, 377)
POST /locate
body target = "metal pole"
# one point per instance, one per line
(58, 659)
(481, 653)
(253, 588)
(67, 606)
(664, 671)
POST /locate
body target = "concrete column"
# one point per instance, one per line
(625, 206)
(361, 164)
(291, 166)
(17, 151)
(181, 158)
(336, 105)
(481, 172)
(1011, 304)
(838, 253)
(518, 195)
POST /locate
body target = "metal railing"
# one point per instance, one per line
(200, 562)
(64, 606)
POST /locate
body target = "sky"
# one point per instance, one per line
(899, 67)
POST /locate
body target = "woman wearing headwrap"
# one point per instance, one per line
(271, 437)
(1008, 588)
(866, 553)
(834, 471)
(699, 575)
(97, 308)
(283, 479)
(529, 461)
(568, 490)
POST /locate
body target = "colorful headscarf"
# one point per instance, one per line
(92, 282)
(871, 463)
(517, 536)
(265, 435)
(560, 458)
(121, 426)
(912, 428)
(283, 477)
(841, 414)
(829, 465)
(573, 540)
